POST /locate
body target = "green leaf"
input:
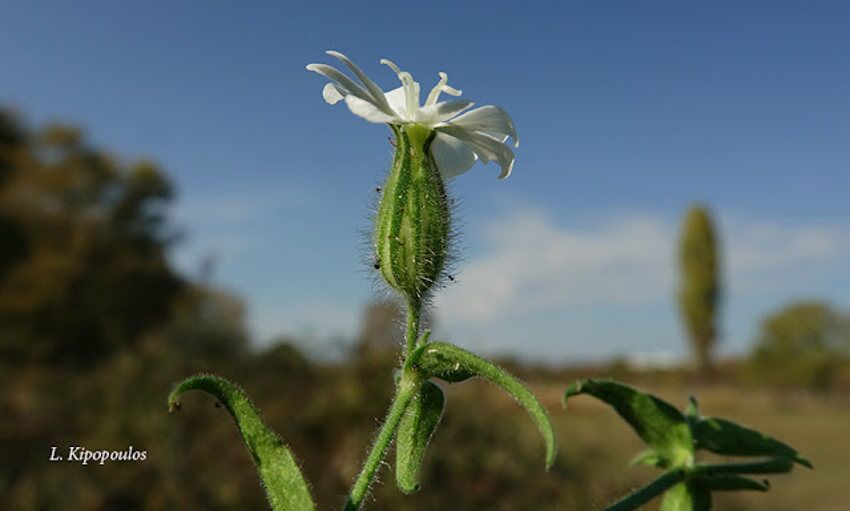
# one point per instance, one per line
(650, 458)
(725, 437)
(686, 497)
(450, 363)
(772, 466)
(692, 413)
(659, 424)
(414, 432)
(648, 492)
(442, 363)
(692, 410)
(731, 482)
(284, 484)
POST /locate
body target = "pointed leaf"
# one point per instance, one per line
(414, 432)
(450, 363)
(442, 363)
(772, 466)
(659, 424)
(725, 437)
(692, 410)
(692, 413)
(686, 497)
(648, 492)
(650, 458)
(284, 484)
(731, 482)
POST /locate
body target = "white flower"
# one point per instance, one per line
(462, 138)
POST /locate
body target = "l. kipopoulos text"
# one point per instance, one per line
(84, 456)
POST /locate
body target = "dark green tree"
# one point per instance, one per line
(803, 344)
(699, 290)
(83, 266)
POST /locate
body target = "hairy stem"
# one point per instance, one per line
(408, 386)
(414, 313)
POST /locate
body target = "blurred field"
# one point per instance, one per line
(486, 454)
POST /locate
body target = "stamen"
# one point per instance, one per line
(442, 87)
(388, 62)
(435, 92)
(411, 93)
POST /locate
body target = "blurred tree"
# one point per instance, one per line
(83, 268)
(805, 343)
(14, 246)
(699, 291)
(208, 325)
(381, 327)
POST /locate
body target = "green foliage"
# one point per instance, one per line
(282, 479)
(732, 482)
(453, 364)
(661, 426)
(803, 344)
(647, 493)
(699, 291)
(721, 436)
(414, 433)
(673, 438)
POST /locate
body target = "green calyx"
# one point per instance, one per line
(412, 226)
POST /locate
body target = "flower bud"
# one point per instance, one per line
(412, 226)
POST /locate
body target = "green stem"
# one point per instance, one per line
(414, 313)
(648, 492)
(408, 386)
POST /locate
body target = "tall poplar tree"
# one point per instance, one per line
(700, 288)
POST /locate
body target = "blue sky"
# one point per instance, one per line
(628, 112)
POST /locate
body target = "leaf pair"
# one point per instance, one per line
(673, 438)
(281, 477)
(453, 364)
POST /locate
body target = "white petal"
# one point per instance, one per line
(375, 92)
(397, 99)
(332, 93)
(489, 119)
(485, 146)
(340, 79)
(368, 111)
(432, 115)
(453, 156)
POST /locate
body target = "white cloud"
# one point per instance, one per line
(532, 265)
(762, 255)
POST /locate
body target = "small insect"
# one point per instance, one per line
(451, 277)
(217, 404)
(391, 141)
(377, 264)
(377, 189)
